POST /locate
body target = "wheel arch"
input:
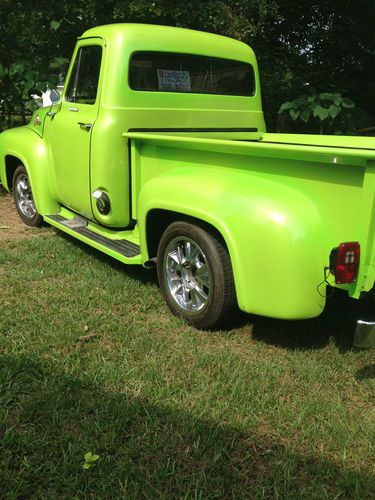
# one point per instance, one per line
(158, 219)
(11, 164)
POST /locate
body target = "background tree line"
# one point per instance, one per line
(315, 57)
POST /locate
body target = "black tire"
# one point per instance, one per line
(23, 198)
(206, 272)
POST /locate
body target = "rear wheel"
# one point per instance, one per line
(195, 276)
(23, 198)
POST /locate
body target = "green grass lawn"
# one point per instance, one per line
(92, 360)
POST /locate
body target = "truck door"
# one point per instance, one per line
(69, 130)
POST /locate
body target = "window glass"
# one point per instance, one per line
(169, 72)
(83, 83)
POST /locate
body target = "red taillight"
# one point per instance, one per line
(345, 262)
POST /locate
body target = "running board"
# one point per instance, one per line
(120, 248)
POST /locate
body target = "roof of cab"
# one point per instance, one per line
(171, 39)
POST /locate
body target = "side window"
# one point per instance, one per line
(83, 84)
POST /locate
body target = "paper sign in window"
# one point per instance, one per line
(173, 80)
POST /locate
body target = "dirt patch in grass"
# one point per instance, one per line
(11, 225)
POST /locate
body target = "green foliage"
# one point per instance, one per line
(331, 109)
(18, 82)
(328, 45)
(54, 25)
(90, 460)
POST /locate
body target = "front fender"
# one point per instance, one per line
(274, 234)
(26, 145)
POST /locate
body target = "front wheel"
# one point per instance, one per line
(23, 198)
(195, 276)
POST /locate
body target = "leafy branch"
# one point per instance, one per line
(331, 109)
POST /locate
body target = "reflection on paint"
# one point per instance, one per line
(41, 150)
(277, 217)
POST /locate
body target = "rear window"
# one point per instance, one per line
(170, 72)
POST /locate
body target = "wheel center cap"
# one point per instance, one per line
(187, 278)
(185, 275)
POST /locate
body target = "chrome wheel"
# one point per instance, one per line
(188, 274)
(24, 196)
(195, 275)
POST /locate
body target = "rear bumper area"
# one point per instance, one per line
(365, 334)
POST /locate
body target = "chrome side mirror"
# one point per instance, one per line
(54, 96)
(48, 98)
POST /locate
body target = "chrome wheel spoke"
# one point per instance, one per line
(30, 208)
(199, 296)
(202, 276)
(180, 254)
(178, 288)
(187, 248)
(185, 294)
(174, 257)
(191, 251)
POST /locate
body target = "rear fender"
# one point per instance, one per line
(274, 234)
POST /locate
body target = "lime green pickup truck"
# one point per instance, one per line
(157, 154)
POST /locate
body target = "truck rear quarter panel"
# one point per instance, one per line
(279, 217)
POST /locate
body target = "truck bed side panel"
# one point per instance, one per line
(280, 217)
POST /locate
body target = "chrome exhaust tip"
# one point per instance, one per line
(364, 334)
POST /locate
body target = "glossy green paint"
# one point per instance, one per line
(281, 202)
(280, 208)
(32, 151)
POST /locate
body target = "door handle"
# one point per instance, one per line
(86, 126)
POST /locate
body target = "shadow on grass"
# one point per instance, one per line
(49, 420)
(366, 372)
(337, 322)
(138, 273)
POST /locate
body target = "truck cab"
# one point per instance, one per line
(111, 88)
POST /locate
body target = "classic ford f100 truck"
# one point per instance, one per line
(157, 154)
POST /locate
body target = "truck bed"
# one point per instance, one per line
(333, 141)
(308, 192)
